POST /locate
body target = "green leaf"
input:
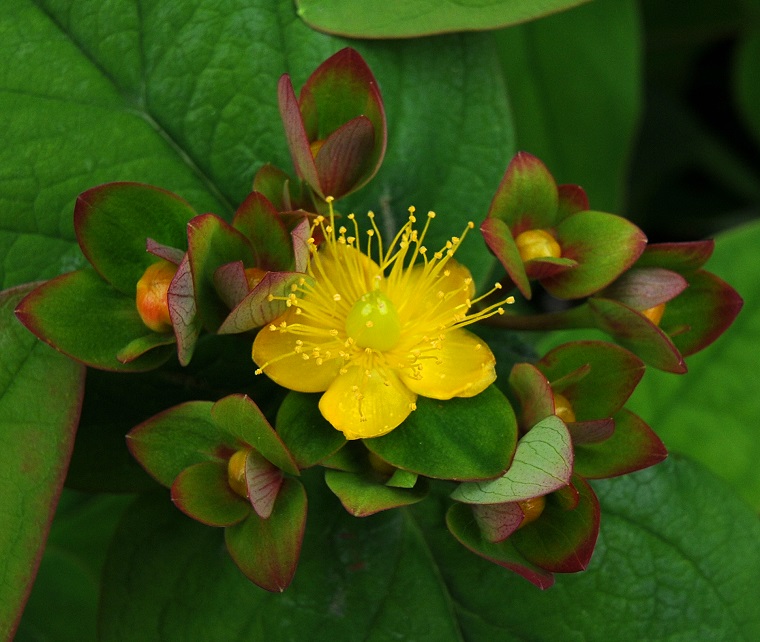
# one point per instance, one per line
(201, 491)
(307, 434)
(405, 19)
(84, 317)
(172, 440)
(113, 223)
(63, 605)
(604, 245)
(710, 412)
(240, 417)
(543, 463)
(362, 495)
(40, 400)
(458, 439)
(260, 223)
(575, 82)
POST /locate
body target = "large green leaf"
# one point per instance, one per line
(184, 97)
(40, 400)
(407, 18)
(63, 604)
(676, 559)
(574, 80)
(711, 412)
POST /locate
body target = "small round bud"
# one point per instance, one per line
(532, 509)
(253, 276)
(563, 408)
(151, 297)
(236, 472)
(655, 313)
(537, 244)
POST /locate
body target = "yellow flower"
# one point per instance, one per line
(374, 335)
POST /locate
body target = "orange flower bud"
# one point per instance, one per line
(253, 276)
(151, 299)
(563, 408)
(532, 509)
(654, 314)
(236, 472)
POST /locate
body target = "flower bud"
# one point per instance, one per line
(151, 298)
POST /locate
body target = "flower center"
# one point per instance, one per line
(537, 244)
(373, 322)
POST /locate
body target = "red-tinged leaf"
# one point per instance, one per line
(543, 462)
(171, 254)
(463, 526)
(257, 309)
(309, 437)
(644, 288)
(183, 311)
(341, 89)
(275, 185)
(538, 269)
(610, 376)
(295, 134)
(264, 481)
(560, 540)
(113, 222)
(267, 550)
(138, 347)
(40, 401)
(687, 256)
(212, 243)
(638, 334)
(362, 495)
(707, 308)
(231, 283)
(527, 197)
(590, 432)
(500, 241)
(85, 318)
(604, 245)
(343, 160)
(632, 446)
(533, 393)
(498, 521)
(177, 438)
(300, 239)
(572, 199)
(202, 492)
(260, 223)
(240, 418)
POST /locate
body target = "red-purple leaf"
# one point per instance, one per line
(544, 268)
(300, 240)
(463, 526)
(644, 288)
(261, 224)
(498, 521)
(638, 334)
(257, 308)
(231, 283)
(500, 241)
(534, 395)
(572, 199)
(171, 254)
(690, 255)
(183, 311)
(263, 480)
(560, 540)
(342, 161)
(632, 446)
(527, 197)
(590, 432)
(295, 134)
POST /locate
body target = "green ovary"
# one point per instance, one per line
(373, 322)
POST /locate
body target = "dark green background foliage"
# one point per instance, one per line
(651, 108)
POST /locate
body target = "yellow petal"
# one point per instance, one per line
(364, 404)
(282, 359)
(462, 366)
